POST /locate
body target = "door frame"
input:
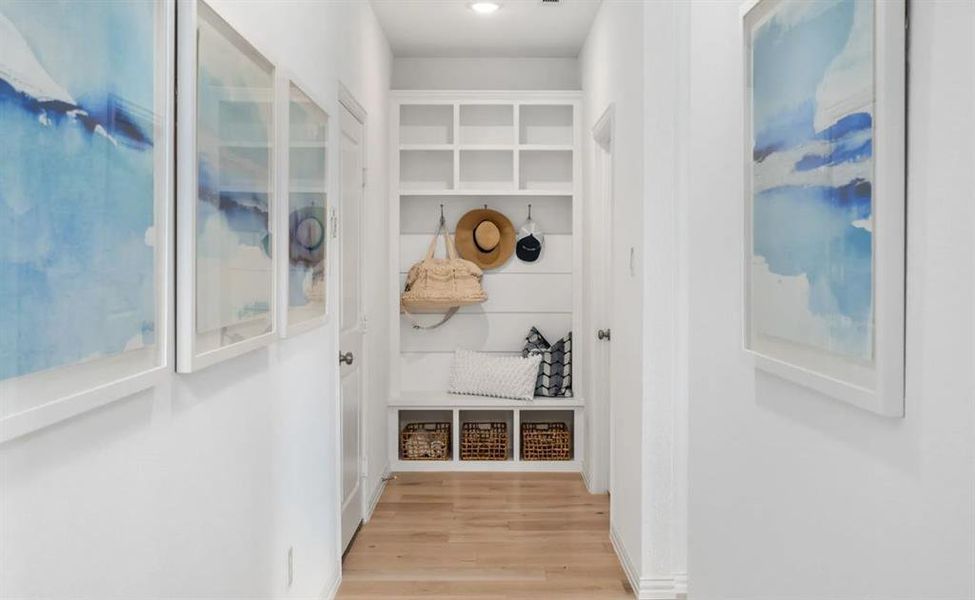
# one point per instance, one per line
(602, 156)
(348, 101)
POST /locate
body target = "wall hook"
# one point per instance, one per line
(529, 212)
(442, 220)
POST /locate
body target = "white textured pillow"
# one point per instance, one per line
(483, 374)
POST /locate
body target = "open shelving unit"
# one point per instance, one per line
(505, 150)
(420, 407)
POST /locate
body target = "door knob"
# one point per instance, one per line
(603, 334)
(346, 358)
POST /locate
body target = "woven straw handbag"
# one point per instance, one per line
(435, 284)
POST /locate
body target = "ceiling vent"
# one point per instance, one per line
(550, 1)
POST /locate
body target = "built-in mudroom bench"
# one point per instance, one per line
(517, 153)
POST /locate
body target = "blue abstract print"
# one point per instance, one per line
(234, 143)
(812, 172)
(77, 202)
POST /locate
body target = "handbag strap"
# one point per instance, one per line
(448, 243)
(416, 324)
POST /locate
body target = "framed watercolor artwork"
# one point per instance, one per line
(824, 196)
(226, 149)
(86, 118)
(305, 241)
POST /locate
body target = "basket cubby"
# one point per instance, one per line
(425, 435)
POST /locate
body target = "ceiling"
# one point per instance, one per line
(521, 28)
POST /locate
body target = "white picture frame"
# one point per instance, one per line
(40, 399)
(195, 351)
(292, 321)
(877, 386)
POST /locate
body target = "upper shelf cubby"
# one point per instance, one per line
(487, 125)
(426, 170)
(549, 170)
(426, 124)
(545, 125)
(486, 170)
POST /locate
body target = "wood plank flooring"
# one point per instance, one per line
(486, 536)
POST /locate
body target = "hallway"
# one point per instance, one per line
(485, 535)
(712, 259)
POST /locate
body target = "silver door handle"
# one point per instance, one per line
(346, 358)
(603, 334)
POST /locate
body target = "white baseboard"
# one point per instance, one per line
(659, 588)
(585, 479)
(332, 588)
(647, 588)
(680, 583)
(377, 493)
(593, 481)
(625, 562)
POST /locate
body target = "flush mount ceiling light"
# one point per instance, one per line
(484, 8)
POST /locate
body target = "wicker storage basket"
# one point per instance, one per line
(425, 441)
(546, 441)
(484, 441)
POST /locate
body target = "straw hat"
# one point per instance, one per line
(485, 237)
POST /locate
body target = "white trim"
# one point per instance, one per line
(349, 103)
(331, 588)
(473, 192)
(337, 459)
(377, 493)
(280, 239)
(61, 409)
(681, 365)
(602, 131)
(485, 466)
(485, 96)
(603, 161)
(628, 569)
(680, 583)
(435, 400)
(393, 211)
(586, 481)
(186, 185)
(347, 99)
(658, 587)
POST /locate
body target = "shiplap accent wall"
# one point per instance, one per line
(520, 294)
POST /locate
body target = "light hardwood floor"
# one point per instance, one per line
(485, 535)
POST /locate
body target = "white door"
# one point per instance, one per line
(350, 315)
(600, 407)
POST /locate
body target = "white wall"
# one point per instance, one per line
(485, 73)
(611, 65)
(198, 489)
(666, 45)
(632, 60)
(794, 495)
